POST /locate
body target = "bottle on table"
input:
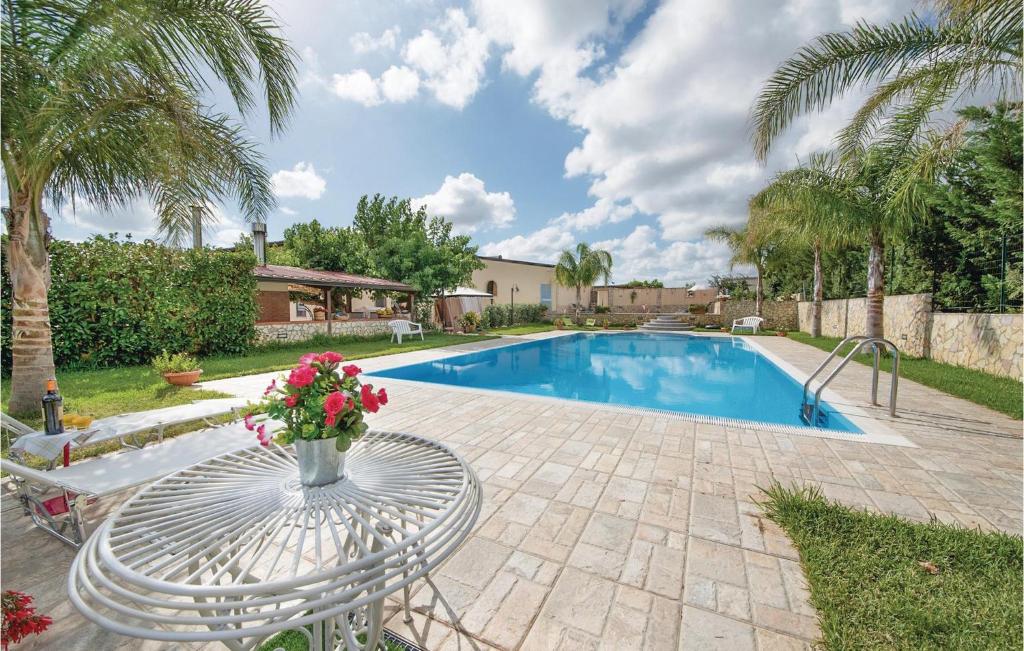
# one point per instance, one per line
(53, 409)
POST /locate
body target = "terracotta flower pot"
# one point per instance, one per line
(185, 379)
(780, 333)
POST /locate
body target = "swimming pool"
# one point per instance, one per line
(712, 376)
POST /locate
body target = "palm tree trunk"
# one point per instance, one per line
(759, 293)
(819, 291)
(29, 266)
(876, 285)
(578, 299)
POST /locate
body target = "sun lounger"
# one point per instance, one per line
(591, 323)
(127, 428)
(567, 322)
(60, 501)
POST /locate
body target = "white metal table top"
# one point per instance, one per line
(236, 549)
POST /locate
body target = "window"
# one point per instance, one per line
(492, 289)
(545, 294)
(380, 302)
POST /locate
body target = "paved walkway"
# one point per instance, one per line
(605, 528)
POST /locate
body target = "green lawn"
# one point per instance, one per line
(523, 329)
(880, 582)
(1002, 394)
(106, 392)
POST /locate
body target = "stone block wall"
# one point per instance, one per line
(302, 330)
(778, 315)
(905, 320)
(988, 342)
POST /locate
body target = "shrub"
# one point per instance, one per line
(176, 363)
(470, 320)
(602, 309)
(496, 316)
(118, 302)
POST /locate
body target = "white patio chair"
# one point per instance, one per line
(748, 322)
(401, 327)
(60, 501)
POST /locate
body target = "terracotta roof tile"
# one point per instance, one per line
(327, 278)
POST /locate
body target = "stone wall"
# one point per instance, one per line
(905, 320)
(988, 342)
(778, 315)
(302, 330)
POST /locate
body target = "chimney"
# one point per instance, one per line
(259, 242)
(197, 227)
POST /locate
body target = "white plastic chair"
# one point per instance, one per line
(748, 322)
(401, 327)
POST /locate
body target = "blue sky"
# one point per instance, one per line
(535, 124)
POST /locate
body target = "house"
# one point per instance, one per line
(520, 281)
(296, 303)
(620, 298)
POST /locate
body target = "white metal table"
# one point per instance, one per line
(235, 549)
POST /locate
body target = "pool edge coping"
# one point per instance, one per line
(872, 431)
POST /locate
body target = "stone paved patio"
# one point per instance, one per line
(605, 528)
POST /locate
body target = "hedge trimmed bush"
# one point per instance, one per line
(496, 316)
(119, 303)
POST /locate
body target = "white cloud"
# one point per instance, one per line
(639, 255)
(602, 212)
(288, 211)
(300, 181)
(465, 201)
(363, 42)
(543, 245)
(356, 86)
(138, 219)
(451, 59)
(399, 84)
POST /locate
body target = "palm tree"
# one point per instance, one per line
(583, 269)
(101, 103)
(919, 66)
(787, 206)
(749, 246)
(843, 202)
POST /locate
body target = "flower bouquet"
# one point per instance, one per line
(322, 405)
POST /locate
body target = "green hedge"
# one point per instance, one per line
(495, 316)
(118, 302)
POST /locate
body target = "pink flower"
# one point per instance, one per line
(302, 376)
(329, 357)
(270, 387)
(248, 422)
(308, 359)
(329, 420)
(291, 400)
(369, 400)
(261, 434)
(351, 370)
(334, 403)
(382, 397)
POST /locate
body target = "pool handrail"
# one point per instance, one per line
(862, 342)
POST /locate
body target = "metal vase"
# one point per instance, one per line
(320, 463)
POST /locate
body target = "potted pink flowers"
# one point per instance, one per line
(322, 405)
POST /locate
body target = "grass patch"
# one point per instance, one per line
(1002, 394)
(296, 641)
(880, 582)
(522, 329)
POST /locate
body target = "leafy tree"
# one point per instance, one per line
(583, 269)
(411, 247)
(734, 287)
(648, 284)
(917, 66)
(101, 102)
(328, 248)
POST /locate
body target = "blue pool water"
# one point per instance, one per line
(712, 376)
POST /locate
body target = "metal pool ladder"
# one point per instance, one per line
(811, 412)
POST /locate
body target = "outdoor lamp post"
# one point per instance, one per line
(512, 304)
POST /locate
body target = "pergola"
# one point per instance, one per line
(328, 280)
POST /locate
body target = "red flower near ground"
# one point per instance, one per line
(20, 619)
(261, 434)
(369, 400)
(334, 403)
(382, 397)
(248, 422)
(270, 387)
(302, 376)
(351, 370)
(308, 359)
(329, 357)
(291, 400)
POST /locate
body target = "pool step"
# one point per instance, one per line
(666, 323)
